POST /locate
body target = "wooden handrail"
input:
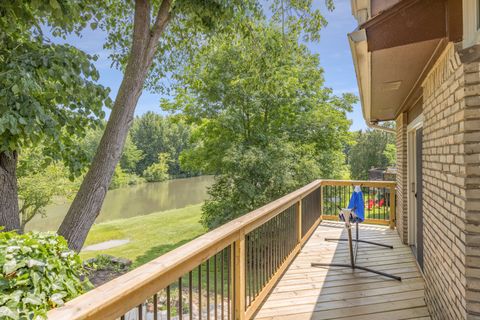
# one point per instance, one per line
(390, 185)
(115, 298)
(118, 296)
(364, 183)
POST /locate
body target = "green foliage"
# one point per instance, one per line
(176, 227)
(38, 272)
(48, 91)
(159, 170)
(122, 179)
(390, 154)
(153, 134)
(372, 149)
(131, 156)
(36, 189)
(266, 125)
(193, 21)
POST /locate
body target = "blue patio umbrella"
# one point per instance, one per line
(356, 215)
(357, 205)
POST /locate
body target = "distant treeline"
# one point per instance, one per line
(151, 151)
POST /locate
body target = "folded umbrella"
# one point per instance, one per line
(357, 205)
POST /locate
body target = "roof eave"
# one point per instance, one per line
(362, 63)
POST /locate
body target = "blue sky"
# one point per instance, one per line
(334, 51)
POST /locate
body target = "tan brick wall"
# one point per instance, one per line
(445, 188)
(401, 205)
(471, 161)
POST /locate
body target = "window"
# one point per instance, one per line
(478, 14)
(471, 23)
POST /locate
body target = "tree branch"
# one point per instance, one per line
(163, 17)
(141, 26)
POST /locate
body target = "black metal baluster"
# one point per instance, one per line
(385, 203)
(270, 244)
(140, 311)
(200, 291)
(190, 298)
(215, 286)
(229, 265)
(155, 306)
(223, 279)
(249, 260)
(169, 311)
(180, 299)
(257, 264)
(208, 289)
(264, 258)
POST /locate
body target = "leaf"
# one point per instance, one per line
(35, 263)
(57, 298)
(15, 89)
(32, 299)
(10, 266)
(8, 313)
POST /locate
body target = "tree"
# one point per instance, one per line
(158, 171)
(36, 172)
(372, 149)
(153, 134)
(131, 156)
(163, 35)
(48, 92)
(36, 190)
(266, 124)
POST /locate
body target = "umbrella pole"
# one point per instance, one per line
(353, 255)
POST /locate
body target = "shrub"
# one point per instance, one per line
(159, 170)
(122, 179)
(38, 272)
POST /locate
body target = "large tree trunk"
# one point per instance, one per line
(9, 217)
(89, 199)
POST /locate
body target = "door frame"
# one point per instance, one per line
(416, 124)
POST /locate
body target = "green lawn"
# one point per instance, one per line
(150, 235)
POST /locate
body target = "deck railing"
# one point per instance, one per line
(379, 197)
(228, 272)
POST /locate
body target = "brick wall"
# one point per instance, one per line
(444, 187)
(401, 208)
(471, 160)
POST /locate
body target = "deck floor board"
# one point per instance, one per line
(306, 292)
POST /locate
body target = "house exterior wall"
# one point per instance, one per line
(444, 188)
(401, 207)
(471, 160)
(451, 186)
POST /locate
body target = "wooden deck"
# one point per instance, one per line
(305, 292)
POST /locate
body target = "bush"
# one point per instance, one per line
(122, 179)
(38, 273)
(159, 170)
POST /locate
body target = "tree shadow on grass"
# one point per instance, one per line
(157, 251)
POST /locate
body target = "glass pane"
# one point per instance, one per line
(478, 14)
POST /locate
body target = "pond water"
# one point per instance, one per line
(134, 201)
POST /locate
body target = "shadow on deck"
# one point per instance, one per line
(306, 292)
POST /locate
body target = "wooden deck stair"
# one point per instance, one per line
(305, 292)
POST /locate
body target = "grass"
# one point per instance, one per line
(150, 235)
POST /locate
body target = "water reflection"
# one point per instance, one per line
(134, 201)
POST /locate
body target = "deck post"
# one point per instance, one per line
(321, 202)
(299, 221)
(239, 276)
(392, 208)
